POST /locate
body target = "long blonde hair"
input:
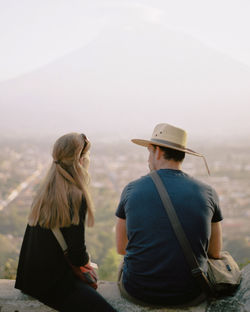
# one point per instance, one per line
(59, 198)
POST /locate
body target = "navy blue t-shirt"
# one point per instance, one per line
(155, 269)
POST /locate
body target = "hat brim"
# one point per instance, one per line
(146, 143)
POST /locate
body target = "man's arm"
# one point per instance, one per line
(215, 243)
(121, 236)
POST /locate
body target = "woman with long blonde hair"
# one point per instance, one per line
(62, 202)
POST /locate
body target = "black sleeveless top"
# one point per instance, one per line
(42, 270)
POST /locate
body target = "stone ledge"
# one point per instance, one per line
(12, 300)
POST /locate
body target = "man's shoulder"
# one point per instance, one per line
(138, 183)
(134, 186)
(201, 184)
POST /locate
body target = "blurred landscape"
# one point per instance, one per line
(116, 69)
(23, 164)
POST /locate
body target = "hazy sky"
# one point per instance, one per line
(119, 67)
(35, 32)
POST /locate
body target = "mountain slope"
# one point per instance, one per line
(130, 79)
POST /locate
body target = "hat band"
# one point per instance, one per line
(168, 143)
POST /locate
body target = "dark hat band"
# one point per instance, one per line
(168, 143)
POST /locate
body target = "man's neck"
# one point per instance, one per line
(168, 164)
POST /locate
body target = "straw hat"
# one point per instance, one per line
(168, 136)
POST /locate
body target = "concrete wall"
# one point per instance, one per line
(12, 300)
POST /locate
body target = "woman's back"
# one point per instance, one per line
(61, 202)
(42, 270)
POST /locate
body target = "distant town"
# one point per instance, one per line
(113, 165)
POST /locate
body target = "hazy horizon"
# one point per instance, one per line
(117, 68)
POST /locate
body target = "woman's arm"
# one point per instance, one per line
(215, 243)
(75, 239)
(121, 236)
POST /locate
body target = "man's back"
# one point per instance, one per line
(155, 267)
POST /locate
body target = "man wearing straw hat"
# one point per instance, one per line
(155, 270)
